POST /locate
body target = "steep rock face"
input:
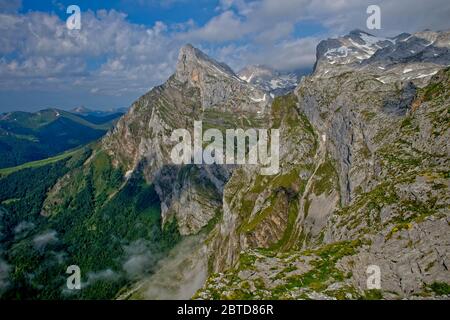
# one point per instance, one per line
(201, 89)
(349, 50)
(406, 214)
(398, 220)
(260, 211)
(219, 86)
(363, 176)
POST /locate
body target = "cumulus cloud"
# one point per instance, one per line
(265, 31)
(339, 16)
(130, 57)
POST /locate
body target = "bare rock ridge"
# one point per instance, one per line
(191, 58)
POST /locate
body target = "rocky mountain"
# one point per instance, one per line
(201, 89)
(363, 182)
(28, 136)
(415, 57)
(269, 80)
(371, 190)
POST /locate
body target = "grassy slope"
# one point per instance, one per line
(40, 163)
(96, 232)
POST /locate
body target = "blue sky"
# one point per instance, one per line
(125, 47)
(141, 12)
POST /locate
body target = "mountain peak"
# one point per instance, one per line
(218, 83)
(192, 62)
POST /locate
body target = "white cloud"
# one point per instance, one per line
(139, 258)
(224, 27)
(107, 275)
(341, 15)
(42, 240)
(129, 56)
(23, 227)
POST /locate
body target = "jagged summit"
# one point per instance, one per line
(200, 70)
(218, 84)
(406, 56)
(190, 58)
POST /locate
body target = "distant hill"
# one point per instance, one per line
(28, 136)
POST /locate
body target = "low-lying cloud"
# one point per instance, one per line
(140, 258)
(42, 240)
(23, 227)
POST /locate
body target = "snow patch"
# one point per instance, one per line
(259, 100)
(247, 79)
(341, 52)
(407, 70)
(420, 75)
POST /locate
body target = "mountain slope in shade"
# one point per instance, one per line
(28, 137)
